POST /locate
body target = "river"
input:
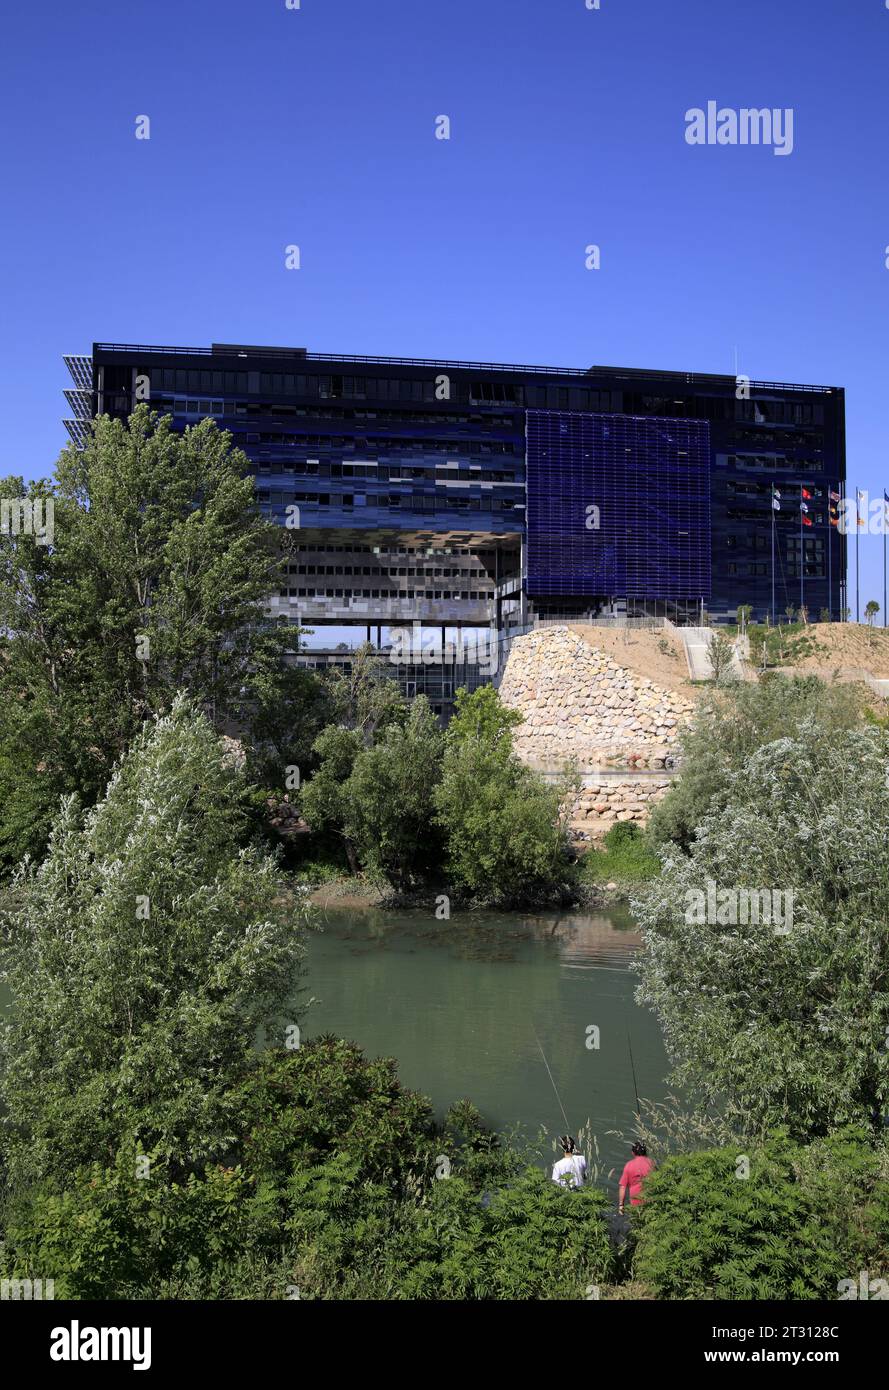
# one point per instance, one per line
(458, 1003)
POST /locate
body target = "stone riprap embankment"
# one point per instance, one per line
(601, 804)
(580, 704)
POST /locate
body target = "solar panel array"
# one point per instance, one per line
(617, 506)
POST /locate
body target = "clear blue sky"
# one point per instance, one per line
(316, 127)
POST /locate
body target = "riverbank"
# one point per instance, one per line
(358, 893)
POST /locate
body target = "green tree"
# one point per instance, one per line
(720, 654)
(364, 693)
(733, 722)
(783, 1021)
(506, 838)
(142, 957)
(390, 804)
(156, 580)
(324, 799)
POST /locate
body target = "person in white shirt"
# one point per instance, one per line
(569, 1171)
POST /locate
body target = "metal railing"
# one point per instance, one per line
(614, 373)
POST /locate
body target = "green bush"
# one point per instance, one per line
(804, 1219)
(336, 1186)
(624, 855)
(781, 1020)
(506, 842)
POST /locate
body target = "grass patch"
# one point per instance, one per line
(625, 856)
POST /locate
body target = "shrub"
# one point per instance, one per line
(803, 1220)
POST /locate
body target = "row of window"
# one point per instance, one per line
(697, 407)
(787, 516)
(391, 444)
(764, 490)
(383, 443)
(775, 462)
(790, 569)
(353, 594)
(779, 439)
(120, 404)
(417, 502)
(385, 473)
(401, 572)
(483, 555)
(425, 390)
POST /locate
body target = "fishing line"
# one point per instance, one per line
(552, 1081)
(633, 1070)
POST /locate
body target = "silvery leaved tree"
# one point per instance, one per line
(784, 1024)
(144, 957)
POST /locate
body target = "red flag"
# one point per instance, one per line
(806, 520)
(807, 493)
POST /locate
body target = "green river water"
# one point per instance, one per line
(458, 1003)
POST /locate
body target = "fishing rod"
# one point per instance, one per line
(633, 1070)
(552, 1082)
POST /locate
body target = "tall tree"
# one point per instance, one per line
(156, 580)
(143, 955)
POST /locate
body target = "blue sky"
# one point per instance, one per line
(315, 127)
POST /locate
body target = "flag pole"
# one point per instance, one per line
(773, 552)
(802, 550)
(885, 528)
(857, 529)
(829, 560)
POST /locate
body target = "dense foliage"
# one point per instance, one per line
(783, 1020)
(738, 718)
(337, 1184)
(414, 807)
(155, 580)
(142, 956)
(775, 1222)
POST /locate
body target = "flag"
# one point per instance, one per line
(806, 520)
(806, 493)
(803, 507)
(776, 499)
(834, 497)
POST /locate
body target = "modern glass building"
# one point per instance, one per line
(472, 495)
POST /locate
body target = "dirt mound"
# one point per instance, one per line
(653, 652)
(847, 649)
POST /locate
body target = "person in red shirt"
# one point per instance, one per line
(638, 1168)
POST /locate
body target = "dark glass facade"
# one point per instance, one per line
(438, 491)
(617, 505)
